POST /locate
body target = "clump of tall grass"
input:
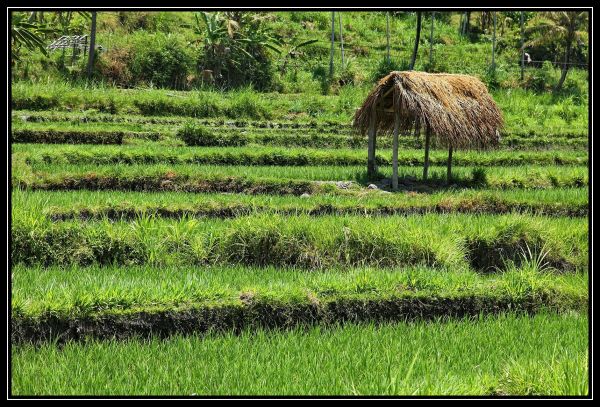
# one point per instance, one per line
(194, 134)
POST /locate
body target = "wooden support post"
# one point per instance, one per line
(426, 164)
(371, 164)
(449, 174)
(395, 152)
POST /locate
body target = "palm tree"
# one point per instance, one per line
(564, 28)
(416, 47)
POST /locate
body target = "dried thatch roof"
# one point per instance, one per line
(457, 108)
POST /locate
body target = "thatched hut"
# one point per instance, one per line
(456, 109)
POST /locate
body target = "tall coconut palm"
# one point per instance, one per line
(564, 28)
(413, 59)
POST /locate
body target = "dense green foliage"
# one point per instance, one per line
(289, 50)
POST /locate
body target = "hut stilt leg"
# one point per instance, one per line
(426, 164)
(371, 164)
(449, 174)
(395, 153)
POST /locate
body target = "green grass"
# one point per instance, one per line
(525, 112)
(75, 292)
(484, 242)
(321, 134)
(118, 204)
(192, 177)
(257, 156)
(541, 355)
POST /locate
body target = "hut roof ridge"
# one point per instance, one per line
(457, 108)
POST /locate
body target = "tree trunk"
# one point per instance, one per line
(426, 163)
(449, 173)
(522, 49)
(431, 40)
(332, 40)
(416, 47)
(468, 23)
(90, 66)
(371, 164)
(395, 152)
(341, 38)
(494, 44)
(388, 36)
(565, 69)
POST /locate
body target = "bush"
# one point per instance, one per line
(67, 137)
(202, 106)
(35, 102)
(320, 73)
(114, 66)
(541, 79)
(164, 65)
(193, 134)
(196, 135)
(248, 104)
(383, 68)
(243, 64)
(479, 177)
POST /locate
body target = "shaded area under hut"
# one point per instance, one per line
(457, 110)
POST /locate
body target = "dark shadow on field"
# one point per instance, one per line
(256, 314)
(436, 181)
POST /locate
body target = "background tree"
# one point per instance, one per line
(413, 59)
(387, 31)
(431, 40)
(562, 28)
(90, 65)
(236, 50)
(332, 41)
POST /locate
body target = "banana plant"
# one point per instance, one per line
(291, 51)
(28, 35)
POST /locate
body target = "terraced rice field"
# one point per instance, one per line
(260, 260)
